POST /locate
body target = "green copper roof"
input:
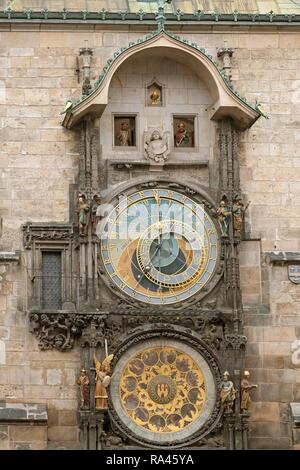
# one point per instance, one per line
(134, 6)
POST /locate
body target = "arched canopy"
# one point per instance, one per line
(226, 101)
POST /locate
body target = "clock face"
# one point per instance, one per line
(159, 246)
(163, 391)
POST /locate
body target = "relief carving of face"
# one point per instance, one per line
(155, 135)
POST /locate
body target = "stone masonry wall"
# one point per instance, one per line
(38, 162)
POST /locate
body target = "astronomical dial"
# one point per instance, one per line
(159, 246)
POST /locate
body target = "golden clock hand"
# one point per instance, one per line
(156, 197)
(151, 259)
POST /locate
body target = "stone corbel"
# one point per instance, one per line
(235, 341)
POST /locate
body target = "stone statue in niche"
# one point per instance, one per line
(155, 97)
(228, 393)
(102, 382)
(183, 131)
(245, 389)
(157, 146)
(83, 209)
(238, 212)
(154, 94)
(84, 382)
(95, 213)
(224, 217)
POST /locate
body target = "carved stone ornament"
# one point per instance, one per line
(235, 341)
(294, 273)
(45, 232)
(56, 331)
(157, 146)
(59, 331)
(224, 217)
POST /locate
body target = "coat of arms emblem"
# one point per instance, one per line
(294, 273)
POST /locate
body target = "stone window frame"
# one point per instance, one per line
(130, 114)
(63, 248)
(196, 132)
(57, 239)
(43, 290)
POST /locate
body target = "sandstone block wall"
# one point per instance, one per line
(38, 162)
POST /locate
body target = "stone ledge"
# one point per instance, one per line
(23, 412)
(282, 256)
(129, 164)
(10, 256)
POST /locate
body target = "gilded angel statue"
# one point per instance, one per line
(157, 146)
(102, 381)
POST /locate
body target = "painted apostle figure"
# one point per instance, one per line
(228, 393)
(124, 136)
(182, 137)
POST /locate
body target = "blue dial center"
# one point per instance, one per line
(164, 250)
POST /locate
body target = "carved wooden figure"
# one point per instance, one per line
(84, 382)
(102, 382)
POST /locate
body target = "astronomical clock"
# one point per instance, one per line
(159, 247)
(160, 252)
(145, 276)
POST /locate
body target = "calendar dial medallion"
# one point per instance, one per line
(163, 391)
(159, 246)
